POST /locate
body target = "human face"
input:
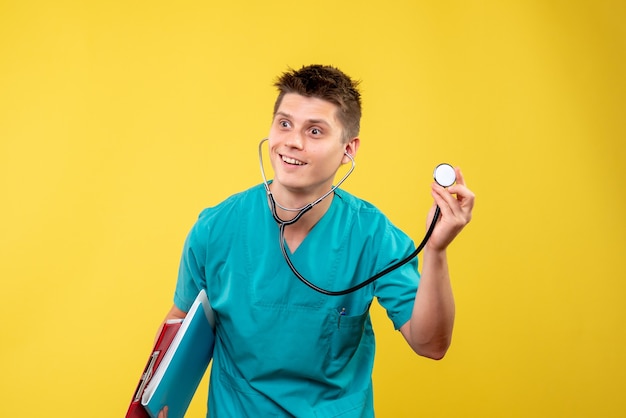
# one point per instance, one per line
(306, 147)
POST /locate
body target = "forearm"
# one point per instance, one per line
(174, 313)
(432, 321)
(429, 331)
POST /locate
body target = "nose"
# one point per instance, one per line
(295, 140)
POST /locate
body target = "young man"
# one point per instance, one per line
(283, 349)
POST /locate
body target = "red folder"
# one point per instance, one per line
(136, 410)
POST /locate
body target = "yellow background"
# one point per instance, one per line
(120, 121)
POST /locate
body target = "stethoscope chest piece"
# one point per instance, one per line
(444, 175)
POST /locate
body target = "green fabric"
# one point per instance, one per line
(283, 349)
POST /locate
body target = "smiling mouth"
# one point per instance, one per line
(291, 161)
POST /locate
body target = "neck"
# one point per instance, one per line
(292, 208)
(296, 232)
(292, 200)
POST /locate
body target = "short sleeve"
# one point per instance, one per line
(396, 291)
(191, 272)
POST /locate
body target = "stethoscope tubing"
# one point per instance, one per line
(301, 211)
(364, 283)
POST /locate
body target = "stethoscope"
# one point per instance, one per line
(444, 175)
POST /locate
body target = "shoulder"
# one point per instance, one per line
(365, 216)
(358, 210)
(220, 217)
(249, 198)
(356, 204)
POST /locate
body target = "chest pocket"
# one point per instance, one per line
(348, 333)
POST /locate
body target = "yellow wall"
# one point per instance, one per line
(120, 121)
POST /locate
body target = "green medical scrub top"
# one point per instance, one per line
(283, 349)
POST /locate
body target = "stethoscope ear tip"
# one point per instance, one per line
(444, 175)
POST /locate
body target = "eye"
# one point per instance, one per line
(284, 124)
(316, 131)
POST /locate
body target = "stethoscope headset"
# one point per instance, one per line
(444, 175)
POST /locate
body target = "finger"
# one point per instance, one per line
(459, 181)
(464, 194)
(461, 191)
(455, 216)
(445, 199)
(459, 176)
(444, 211)
(464, 204)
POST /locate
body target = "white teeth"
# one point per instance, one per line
(292, 161)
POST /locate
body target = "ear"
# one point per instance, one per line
(351, 148)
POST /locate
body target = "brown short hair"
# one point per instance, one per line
(326, 83)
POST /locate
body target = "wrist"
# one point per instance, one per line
(435, 254)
